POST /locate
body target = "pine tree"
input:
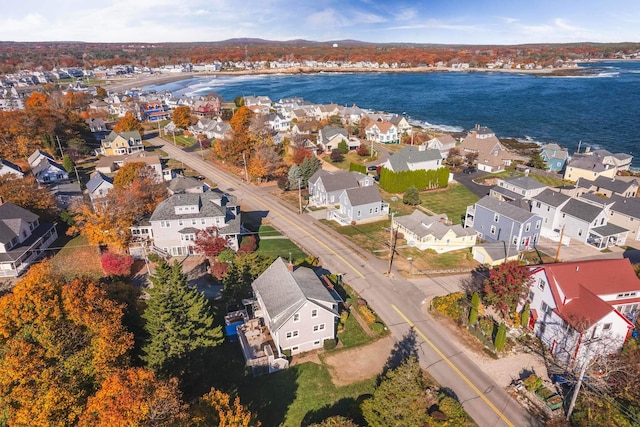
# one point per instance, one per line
(179, 323)
(473, 314)
(501, 337)
(67, 163)
(411, 196)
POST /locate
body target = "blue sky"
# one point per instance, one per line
(429, 21)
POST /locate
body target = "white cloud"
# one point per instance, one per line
(405, 14)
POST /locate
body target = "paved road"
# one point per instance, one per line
(466, 179)
(396, 300)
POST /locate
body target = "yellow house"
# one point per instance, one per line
(116, 144)
(434, 232)
(588, 168)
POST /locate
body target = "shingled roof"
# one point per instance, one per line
(284, 292)
(401, 160)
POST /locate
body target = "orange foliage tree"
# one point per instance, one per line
(266, 163)
(27, 193)
(128, 124)
(37, 100)
(58, 342)
(241, 143)
(216, 409)
(182, 116)
(135, 397)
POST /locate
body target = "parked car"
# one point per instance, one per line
(470, 169)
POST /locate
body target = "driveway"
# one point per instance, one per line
(466, 179)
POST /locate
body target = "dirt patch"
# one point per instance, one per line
(360, 363)
(311, 356)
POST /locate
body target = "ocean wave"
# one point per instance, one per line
(432, 126)
(603, 75)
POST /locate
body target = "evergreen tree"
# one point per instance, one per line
(67, 163)
(501, 337)
(524, 320)
(308, 167)
(473, 314)
(411, 196)
(295, 177)
(400, 399)
(179, 323)
(343, 147)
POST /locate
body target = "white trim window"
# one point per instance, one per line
(319, 327)
(314, 312)
(292, 334)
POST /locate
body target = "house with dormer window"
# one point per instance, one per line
(383, 132)
(583, 309)
(173, 225)
(121, 143)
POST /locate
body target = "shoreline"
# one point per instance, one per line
(140, 81)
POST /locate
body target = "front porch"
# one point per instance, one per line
(607, 236)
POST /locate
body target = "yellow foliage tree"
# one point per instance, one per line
(58, 342)
(216, 409)
(105, 224)
(135, 397)
(27, 193)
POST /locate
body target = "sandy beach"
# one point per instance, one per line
(137, 81)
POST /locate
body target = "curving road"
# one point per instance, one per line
(397, 301)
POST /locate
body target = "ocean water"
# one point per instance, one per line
(599, 108)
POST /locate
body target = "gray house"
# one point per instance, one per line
(362, 204)
(22, 239)
(330, 136)
(412, 158)
(583, 220)
(496, 220)
(520, 187)
(296, 307)
(98, 187)
(326, 187)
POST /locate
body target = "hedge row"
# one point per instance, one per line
(398, 182)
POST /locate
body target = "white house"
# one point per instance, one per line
(296, 307)
(383, 132)
(8, 167)
(434, 232)
(325, 187)
(99, 186)
(360, 204)
(412, 158)
(173, 225)
(583, 309)
(45, 168)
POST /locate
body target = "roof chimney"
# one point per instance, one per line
(577, 268)
(290, 266)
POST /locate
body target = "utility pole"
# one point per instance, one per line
(246, 173)
(393, 237)
(60, 146)
(559, 244)
(300, 195)
(580, 378)
(77, 175)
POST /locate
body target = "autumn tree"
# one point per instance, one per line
(129, 172)
(507, 285)
(216, 408)
(179, 323)
(182, 116)
(336, 421)
(101, 92)
(232, 149)
(58, 342)
(128, 124)
(27, 193)
(471, 157)
(104, 224)
(399, 399)
(209, 243)
(115, 264)
(336, 156)
(135, 397)
(37, 100)
(266, 163)
(299, 154)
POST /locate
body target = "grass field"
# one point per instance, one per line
(281, 248)
(77, 258)
(452, 201)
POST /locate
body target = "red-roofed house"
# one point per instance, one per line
(585, 308)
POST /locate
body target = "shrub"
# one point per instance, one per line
(343, 147)
(343, 319)
(450, 305)
(501, 337)
(367, 314)
(248, 245)
(336, 156)
(532, 382)
(524, 318)
(362, 150)
(329, 344)
(411, 196)
(451, 408)
(116, 264)
(219, 270)
(377, 328)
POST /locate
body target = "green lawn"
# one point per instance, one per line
(452, 201)
(181, 140)
(510, 173)
(281, 248)
(268, 231)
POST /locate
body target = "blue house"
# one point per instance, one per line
(499, 221)
(554, 156)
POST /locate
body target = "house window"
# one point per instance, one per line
(165, 224)
(579, 231)
(606, 326)
(496, 217)
(319, 327)
(314, 312)
(515, 240)
(202, 221)
(527, 227)
(296, 317)
(541, 284)
(531, 295)
(359, 213)
(493, 230)
(316, 343)
(180, 223)
(193, 222)
(545, 308)
(537, 204)
(292, 334)
(537, 224)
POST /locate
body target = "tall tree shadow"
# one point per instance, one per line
(347, 407)
(403, 350)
